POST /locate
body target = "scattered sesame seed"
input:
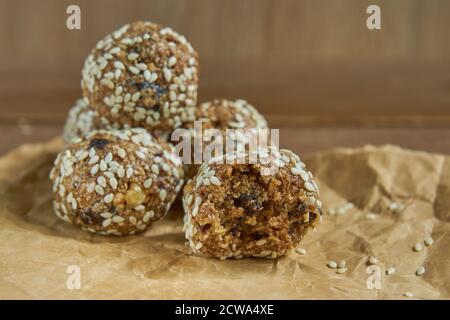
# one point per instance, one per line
(341, 270)
(162, 194)
(155, 169)
(332, 264)
(390, 270)
(106, 215)
(132, 56)
(428, 241)
(418, 247)
(373, 260)
(172, 61)
(99, 190)
(408, 294)
(93, 160)
(119, 65)
(420, 271)
(300, 251)
(101, 181)
(309, 186)
(129, 172)
(113, 182)
(103, 165)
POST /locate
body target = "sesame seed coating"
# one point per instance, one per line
(248, 214)
(99, 183)
(142, 75)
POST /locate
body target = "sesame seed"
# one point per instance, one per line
(119, 65)
(113, 182)
(121, 172)
(420, 271)
(390, 270)
(141, 66)
(309, 186)
(106, 215)
(148, 183)
(373, 260)
(214, 180)
(135, 97)
(408, 294)
(106, 222)
(132, 56)
(108, 83)
(155, 169)
(341, 270)
(148, 216)
(108, 198)
(118, 219)
(261, 242)
(129, 172)
(162, 194)
(92, 152)
(103, 165)
(99, 190)
(140, 154)
(134, 70)
(93, 160)
(133, 220)
(101, 181)
(94, 169)
(418, 247)
(121, 152)
(198, 246)
(428, 241)
(139, 208)
(108, 157)
(167, 74)
(172, 61)
(300, 251)
(332, 264)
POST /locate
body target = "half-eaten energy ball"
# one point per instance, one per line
(234, 210)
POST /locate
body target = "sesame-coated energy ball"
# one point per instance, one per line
(115, 182)
(79, 122)
(142, 75)
(238, 210)
(224, 114)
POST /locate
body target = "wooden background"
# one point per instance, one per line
(312, 67)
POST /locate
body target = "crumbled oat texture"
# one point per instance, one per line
(232, 210)
(142, 75)
(115, 182)
(79, 122)
(224, 114)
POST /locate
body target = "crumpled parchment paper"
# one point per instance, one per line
(36, 248)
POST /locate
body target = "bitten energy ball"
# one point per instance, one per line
(238, 210)
(79, 122)
(224, 114)
(142, 75)
(115, 182)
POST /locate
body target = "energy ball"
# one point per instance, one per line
(224, 114)
(142, 75)
(79, 122)
(115, 182)
(237, 210)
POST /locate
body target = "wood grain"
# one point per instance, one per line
(300, 62)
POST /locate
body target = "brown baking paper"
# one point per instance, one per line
(36, 248)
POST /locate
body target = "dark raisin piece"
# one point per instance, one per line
(250, 202)
(204, 228)
(301, 209)
(90, 217)
(98, 143)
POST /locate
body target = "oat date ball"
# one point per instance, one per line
(237, 210)
(115, 182)
(142, 75)
(224, 114)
